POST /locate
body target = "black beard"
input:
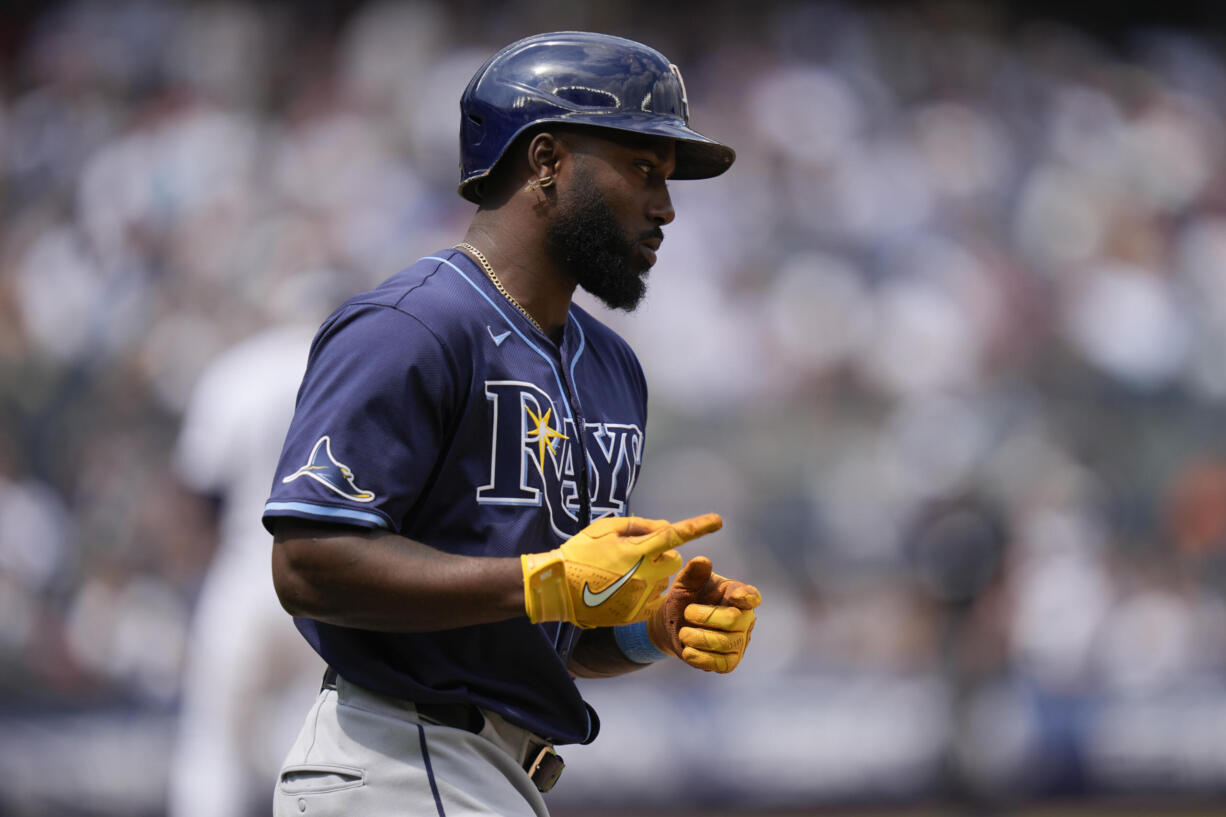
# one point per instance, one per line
(588, 244)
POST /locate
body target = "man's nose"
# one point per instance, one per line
(661, 210)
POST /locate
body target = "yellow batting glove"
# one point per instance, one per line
(607, 573)
(704, 619)
(718, 640)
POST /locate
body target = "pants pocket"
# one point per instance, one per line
(319, 778)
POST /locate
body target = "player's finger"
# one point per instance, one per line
(712, 640)
(669, 561)
(719, 616)
(737, 594)
(693, 577)
(637, 525)
(696, 526)
(710, 661)
(678, 533)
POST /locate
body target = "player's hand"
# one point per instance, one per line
(607, 573)
(704, 619)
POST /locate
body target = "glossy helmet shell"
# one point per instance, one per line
(578, 78)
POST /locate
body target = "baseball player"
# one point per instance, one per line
(451, 508)
(235, 700)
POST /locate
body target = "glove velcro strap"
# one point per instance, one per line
(546, 594)
(634, 641)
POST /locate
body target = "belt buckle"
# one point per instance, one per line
(545, 768)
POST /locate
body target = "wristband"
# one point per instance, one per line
(546, 597)
(636, 644)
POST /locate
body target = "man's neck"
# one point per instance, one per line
(520, 261)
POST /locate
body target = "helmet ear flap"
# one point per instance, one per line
(497, 182)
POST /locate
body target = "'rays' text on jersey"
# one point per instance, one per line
(532, 457)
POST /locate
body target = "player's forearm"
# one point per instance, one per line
(379, 580)
(596, 655)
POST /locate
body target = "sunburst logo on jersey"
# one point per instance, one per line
(330, 472)
(539, 457)
(543, 434)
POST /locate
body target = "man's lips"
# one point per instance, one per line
(651, 246)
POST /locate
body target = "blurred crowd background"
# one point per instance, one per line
(946, 347)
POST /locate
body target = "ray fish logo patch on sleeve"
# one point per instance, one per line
(328, 471)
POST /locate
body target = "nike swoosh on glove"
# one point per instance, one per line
(607, 573)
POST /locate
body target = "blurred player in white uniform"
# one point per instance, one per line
(248, 674)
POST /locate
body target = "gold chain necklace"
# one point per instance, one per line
(489, 271)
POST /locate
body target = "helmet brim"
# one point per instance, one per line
(698, 157)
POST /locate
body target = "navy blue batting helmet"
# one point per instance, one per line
(579, 78)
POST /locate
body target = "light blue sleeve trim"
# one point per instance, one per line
(634, 641)
(327, 510)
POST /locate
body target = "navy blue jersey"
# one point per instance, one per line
(431, 407)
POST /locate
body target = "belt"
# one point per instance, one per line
(543, 765)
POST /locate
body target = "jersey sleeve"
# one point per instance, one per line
(369, 422)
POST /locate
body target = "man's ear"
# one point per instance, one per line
(545, 153)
